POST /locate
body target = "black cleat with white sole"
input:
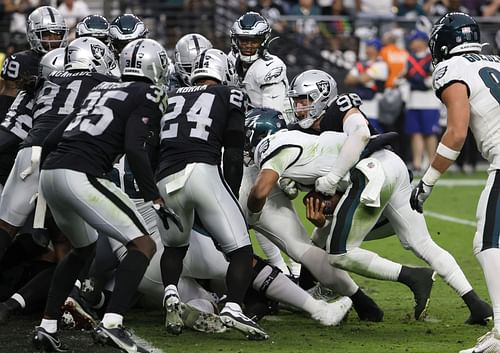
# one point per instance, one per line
(232, 316)
(47, 342)
(117, 337)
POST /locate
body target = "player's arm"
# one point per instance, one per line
(356, 127)
(53, 138)
(137, 133)
(233, 142)
(456, 100)
(262, 187)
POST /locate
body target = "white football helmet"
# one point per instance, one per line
(126, 28)
(252, 26)
(96, 26)
(319, 88)
(186, 50)
(89, 54)
(44, 21)
(144, 58)
(52, 61)
(213, 63)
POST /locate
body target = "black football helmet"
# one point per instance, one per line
(454, 33)
(126, 28)
(260, 123)
(95, 26)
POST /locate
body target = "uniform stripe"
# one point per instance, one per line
(196, 43)
(226, 186)
(345, 214)
(134, 53)
(492, 222)
(51, 14)
(119, 203)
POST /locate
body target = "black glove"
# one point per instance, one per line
(418, 196)
(165, 213)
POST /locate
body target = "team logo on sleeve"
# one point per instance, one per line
(324, 87)
(440, 73)
(97, 51)
(274, 73)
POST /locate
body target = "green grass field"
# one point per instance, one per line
(443, 330)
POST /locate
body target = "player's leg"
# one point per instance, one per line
(411, 228)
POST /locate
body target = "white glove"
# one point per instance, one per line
(289, 187)
(327, 184)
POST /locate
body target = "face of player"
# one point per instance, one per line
(301, 106)
(249, 45)
(52, 39)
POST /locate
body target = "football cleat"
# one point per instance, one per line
(201, 321)
(47, 342)
(117, 337)
(481, 314)
(367, 309)
(232, 316)
(421, 286)
(83, 317)
(320, 292)
(331, 314)
(172, 307)
(488, 343)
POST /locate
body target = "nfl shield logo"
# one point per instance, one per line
(323, 87)
(97, 51)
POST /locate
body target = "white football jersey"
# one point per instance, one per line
(481, 74)
(266, 83)
(300, 156)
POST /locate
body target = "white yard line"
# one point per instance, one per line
(451, 183)
(146, 344)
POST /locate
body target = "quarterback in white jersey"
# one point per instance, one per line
(378, 185)
(467, 82)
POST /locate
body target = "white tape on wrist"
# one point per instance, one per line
(431, 176)
(447, 152)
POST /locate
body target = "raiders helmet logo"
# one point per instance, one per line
(323, 87)
(97, 51)
(163, 59)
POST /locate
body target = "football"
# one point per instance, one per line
(330, 201)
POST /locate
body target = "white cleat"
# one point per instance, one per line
(331, 314)
(489, 343)
(232, 316)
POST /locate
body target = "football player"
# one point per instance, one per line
(318, 108)
(262, 76)
(45, 30)
(114, 119)
(59, 95)
(467, 82)
(200, 120)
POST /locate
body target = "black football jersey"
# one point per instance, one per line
(198, 121)
(334, 115)
(115, 119)
(21, 65)
(59, 95)
(18, 119)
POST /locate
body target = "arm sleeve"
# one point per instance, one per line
(136, 138)
(53, 138)
(232, 160)
(358, 136)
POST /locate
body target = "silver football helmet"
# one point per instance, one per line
(144, 58)
(250, 26)
(214, 64)
(89, 54)
(186, 50)
(46, 29)
(52, 61)
(319, 88)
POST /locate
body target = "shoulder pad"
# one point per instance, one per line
(268, 71)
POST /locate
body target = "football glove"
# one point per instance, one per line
(419, 194)
(326, 185)
(289, 187)
(165, 213)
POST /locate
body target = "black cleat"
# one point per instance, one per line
(47, 342)
(117, 337)
(422, 280)
(232, 316)
(367, 309)
(84, 318)
(480, 313)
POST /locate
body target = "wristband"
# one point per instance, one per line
(447, 152)
(431, 176)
